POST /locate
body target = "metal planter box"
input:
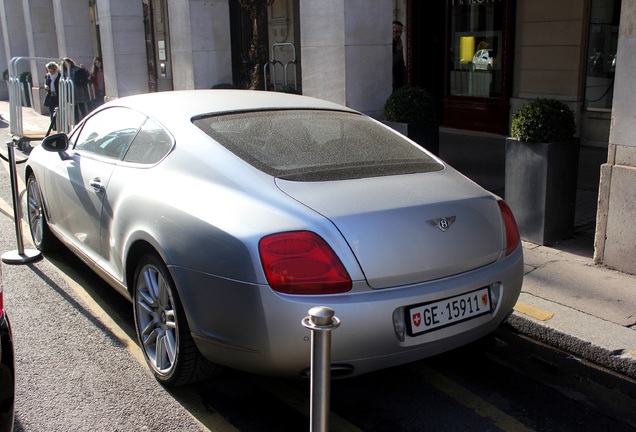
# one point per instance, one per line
(541, 181)
(426, 135)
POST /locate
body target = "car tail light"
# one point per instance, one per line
(301, 262)
(512, 232)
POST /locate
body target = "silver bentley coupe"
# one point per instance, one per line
(226, 215)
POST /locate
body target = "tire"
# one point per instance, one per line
(162, 327)
(43, 238)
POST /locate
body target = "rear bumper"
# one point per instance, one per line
(252, 328)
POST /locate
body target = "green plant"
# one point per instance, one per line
(410, 105)
(543, 120)
(224, 86)
(287, 89)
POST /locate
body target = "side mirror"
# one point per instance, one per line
(55, 143)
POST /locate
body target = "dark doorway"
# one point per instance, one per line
(241, 33)
(241, 30)
(426, 34)
(158, 53)
(461, 51)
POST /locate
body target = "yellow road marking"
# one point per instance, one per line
(39, 134)
(465, 397)
(532, 311)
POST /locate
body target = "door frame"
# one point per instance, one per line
(485, 114)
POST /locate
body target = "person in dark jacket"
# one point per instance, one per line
(79, 76)
(399, 69)
(52, 87)
(96, 80)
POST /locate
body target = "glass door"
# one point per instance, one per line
(479, 64)
(157, 45)
(476, 49)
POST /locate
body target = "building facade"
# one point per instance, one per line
(481, 59)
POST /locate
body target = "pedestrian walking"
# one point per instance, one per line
(52, 86)
(96, 81)
(79, 76)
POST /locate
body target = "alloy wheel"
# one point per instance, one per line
(35, 212)
(156, 320)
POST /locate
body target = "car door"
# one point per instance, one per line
(129, 182)
(81, 189)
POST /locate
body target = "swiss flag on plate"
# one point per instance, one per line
(417, 319)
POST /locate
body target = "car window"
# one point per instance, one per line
(310, 145)
(109, 132)
(150, 145)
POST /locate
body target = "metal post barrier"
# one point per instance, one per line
(15, 100)
(66, 111)
(271, 63)
(15, 106)
(293, 62)
(321, 321)
(19, 256)
(15, 92)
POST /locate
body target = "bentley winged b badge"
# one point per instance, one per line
(442, 223)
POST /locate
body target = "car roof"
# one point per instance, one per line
(183, 105)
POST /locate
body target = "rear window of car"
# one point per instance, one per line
(316, 145)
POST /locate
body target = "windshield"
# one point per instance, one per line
(314, 145)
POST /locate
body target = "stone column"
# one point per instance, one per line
(200, 43)
(13, 35)
(4, 64)
(73, 27)
(615, 228)
(123, 47)
(346, 52)
(42, 42)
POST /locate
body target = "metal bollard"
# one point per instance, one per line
(321, 321)
(20, 256)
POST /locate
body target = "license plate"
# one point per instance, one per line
(447, 312)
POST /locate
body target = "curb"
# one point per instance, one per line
(617, 359)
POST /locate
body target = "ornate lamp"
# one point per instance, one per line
(258, 52)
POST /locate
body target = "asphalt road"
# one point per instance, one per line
(79, 368)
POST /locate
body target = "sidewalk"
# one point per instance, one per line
(566, 302)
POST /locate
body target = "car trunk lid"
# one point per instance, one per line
(411, 228)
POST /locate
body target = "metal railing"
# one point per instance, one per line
(65, 118)
(66, 111)
(273, 62)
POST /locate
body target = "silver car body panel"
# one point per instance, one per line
(388, 224)
(206, 221)
(264, 336)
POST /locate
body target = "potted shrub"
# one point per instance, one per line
(411, 111)
(224, 86)
(541, 170)
(288, 89)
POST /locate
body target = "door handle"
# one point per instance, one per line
(96, 184)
